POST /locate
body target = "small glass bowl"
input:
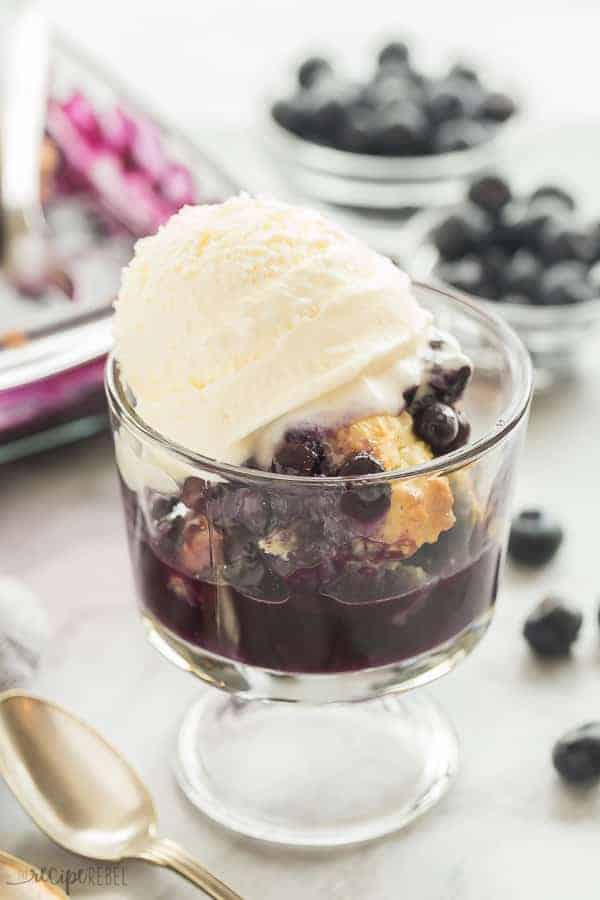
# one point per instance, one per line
(263, 586)
(558, 338)
(373, 182)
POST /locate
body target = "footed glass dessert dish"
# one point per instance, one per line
(344, 583)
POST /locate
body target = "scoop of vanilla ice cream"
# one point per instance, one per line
(235, 315)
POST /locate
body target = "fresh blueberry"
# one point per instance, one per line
(496, 107)
(576, 756)
(490, 192)
(534, 537)
(552, 627)
(466, 274)
(460, 134)
(443, 104)
(559, 244)
(356, 134)
(555, 193)
(400, 130)
(394, 52)
(391, 85)
(522, 274)
(437, 425)
(295, 114)
(566, 283)
(367, 502)
(495, 261)
(461, 233)
(300, 454)
(312, 70)
(521, 226)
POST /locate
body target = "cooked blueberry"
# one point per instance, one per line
(312, 70)
(466, 274)
(460, 134)
(496, 107)
(437, 425)
(576, 756)
(534, 537)
(194, 493)
(490, 193)
(552, 192)
(300, 454)
(552, 627)
(565, 283)
(464, 432)
(367, 502)
(360, 464)
(239, 506)
(395, 52)
(400, 129)
(448, 385)
(461, 233)
(245, 573)
(522, 274)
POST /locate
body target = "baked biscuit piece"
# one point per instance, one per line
(420, 509)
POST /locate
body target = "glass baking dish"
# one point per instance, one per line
(124, 177)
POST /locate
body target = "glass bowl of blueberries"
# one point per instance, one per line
(530, 255)
(400, 137)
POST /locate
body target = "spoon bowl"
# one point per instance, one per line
(81, 792)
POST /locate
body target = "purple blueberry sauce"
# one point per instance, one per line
(333, 605)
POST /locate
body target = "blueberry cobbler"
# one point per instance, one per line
(300, 365)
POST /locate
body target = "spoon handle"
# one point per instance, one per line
(172, 856)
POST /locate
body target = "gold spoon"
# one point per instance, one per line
(80, 791)
(28, 882)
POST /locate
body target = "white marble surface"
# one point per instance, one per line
(508, 828)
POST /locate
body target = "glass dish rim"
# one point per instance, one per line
(506, 421)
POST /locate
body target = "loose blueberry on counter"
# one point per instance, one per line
(534, 537)
(367, 502)
(552, 627)
(490, 192)
(576, 756)
(437, 425)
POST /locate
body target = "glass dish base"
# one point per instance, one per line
(315, 775)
